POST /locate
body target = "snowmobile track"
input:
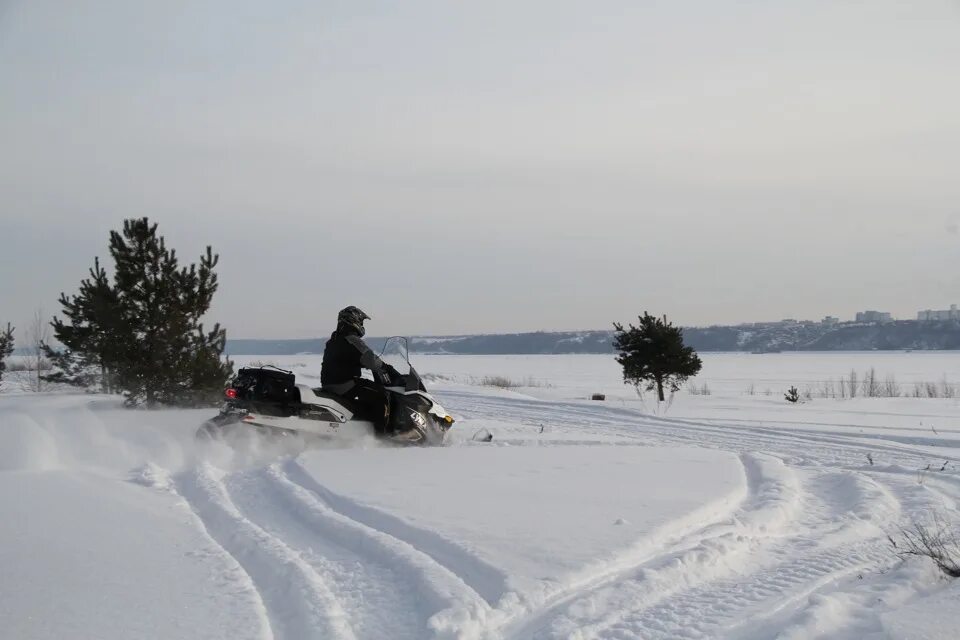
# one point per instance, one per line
(487, 581)
(764, 514)
(751, 583)
(450, 607)
(298, 602)
(376, 598)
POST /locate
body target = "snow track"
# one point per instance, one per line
(321, 574)
(298, 601)
(753, 566)
(486, 581)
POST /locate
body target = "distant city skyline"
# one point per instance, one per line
(457, 168)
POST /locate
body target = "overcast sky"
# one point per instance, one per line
(457, 167)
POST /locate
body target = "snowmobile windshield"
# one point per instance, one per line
(396, 353)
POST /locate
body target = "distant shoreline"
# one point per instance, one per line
(758, 339)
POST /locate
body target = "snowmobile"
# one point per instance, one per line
(268, 399)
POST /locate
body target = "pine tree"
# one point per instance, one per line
(143, 330)
(654, 354)
(6, 347)
(792, 395)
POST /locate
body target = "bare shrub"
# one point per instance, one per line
(827, 390)
(947, 390)
(890, 387)
(702, 390)
(34, 363)
(752, 390)
(504, 382)
(870, 385)
(935, 540)
(433, 377)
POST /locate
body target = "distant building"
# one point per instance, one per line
(934, 316)
(830, 320)
(874, 317)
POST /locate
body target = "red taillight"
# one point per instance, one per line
(231, 393)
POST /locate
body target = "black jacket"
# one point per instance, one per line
(344, 356)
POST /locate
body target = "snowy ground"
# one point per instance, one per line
(730, 516)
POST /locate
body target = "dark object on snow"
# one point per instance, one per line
(598, 396)
(792, 395)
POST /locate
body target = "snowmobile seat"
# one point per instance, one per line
(320, 394)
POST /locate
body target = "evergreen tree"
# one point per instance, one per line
(143, 330)
(6, 347)
(654, 354)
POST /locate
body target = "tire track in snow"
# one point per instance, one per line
(298, 604)
(772, 502)
(487, 581)
(379, 601)
(712, 609)
(837, 536)
(453, 609)
(163, 482)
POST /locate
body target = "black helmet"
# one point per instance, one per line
(353, 318)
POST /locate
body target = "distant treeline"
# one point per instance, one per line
(761, 338)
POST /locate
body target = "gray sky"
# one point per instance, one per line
(456, 167)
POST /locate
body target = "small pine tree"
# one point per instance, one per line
(792, 395)
(143, 331)
(654, 354)
(6, 347)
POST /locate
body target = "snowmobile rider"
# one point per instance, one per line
(344, 356)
